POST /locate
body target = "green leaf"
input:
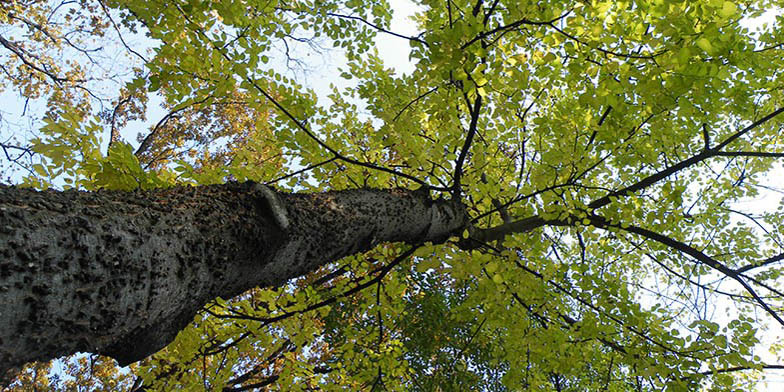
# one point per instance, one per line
(705, 44)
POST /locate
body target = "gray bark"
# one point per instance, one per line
(120, 273)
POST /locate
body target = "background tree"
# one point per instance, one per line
(605, 153)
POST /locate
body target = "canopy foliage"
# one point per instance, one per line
(614, 146)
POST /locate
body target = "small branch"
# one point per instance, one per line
(381, 273)
(449, 11)
(21, 55)
(768, 261)
(490, 12)
(147, 142)
(511, 26)
(706, 136)
(119, 34)
(604, 115)
(334, 152)
(606, 51)
(23, 151)
(601, 121)
(477, 7)
(497, 205)
(773, 47)
(738, 369)
(413, 102)
(749, 128)
(114, 134)
(379, 28)
(519, 199)
(301, 124)
(522, 116)
(311, 167)
(597, 309)
(681, 276)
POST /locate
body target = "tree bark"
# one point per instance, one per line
(121, 273)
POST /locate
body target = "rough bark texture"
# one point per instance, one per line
(120, 273)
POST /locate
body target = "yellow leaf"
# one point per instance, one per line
(705, 45)
(728, 9)
(491, 267)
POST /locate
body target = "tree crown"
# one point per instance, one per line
(605, 153)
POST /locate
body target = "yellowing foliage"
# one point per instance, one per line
(604, 149)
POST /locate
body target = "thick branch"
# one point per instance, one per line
(456, 188)
(480, 237)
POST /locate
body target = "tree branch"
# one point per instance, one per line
(147, 142)
(769, 260)
(19, 52)
(511, 26)
(480, 237)
(681, 247)
(432, 90)
(658, 176)
(379, 28)
(456, 189)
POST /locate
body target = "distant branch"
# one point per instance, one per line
(772, 47)
(587, 303)
(521, 198)
(334, 152)
(740, 368)
(380, 274)
(760, 154)
(20, 53)
(147, 142)
(119, 34)
(114, 134)
(22, 152)
(311, 167)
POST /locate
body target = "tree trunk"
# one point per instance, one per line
(120, 273)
